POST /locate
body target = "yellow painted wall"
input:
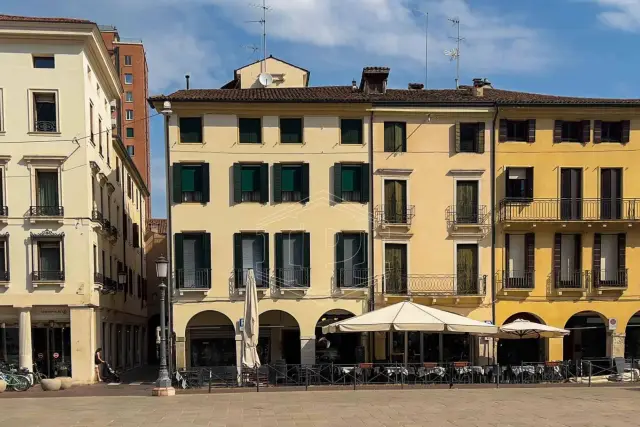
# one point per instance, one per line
(285, 75)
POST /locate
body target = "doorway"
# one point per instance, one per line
(52, 349)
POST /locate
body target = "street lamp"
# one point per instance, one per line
(163, 383)
(122, 280)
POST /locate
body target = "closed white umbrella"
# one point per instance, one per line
(250, 357)
(409, 316)
(525, 329)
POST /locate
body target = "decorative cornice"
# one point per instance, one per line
(46, 233)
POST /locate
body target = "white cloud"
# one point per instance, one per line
(620, 14)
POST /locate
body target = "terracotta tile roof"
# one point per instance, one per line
(345, 94)
(158, 226)
(16, 18)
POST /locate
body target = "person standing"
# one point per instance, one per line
(98, 362)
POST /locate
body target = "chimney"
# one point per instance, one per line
(187, 76)
(374, 80)
(354, 86)
(416, 86)
(479, 85)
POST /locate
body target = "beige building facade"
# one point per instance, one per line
(70, 220)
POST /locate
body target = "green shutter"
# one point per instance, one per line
(277, 182)
(305, 183)
(237, 183)
(480, 148)
(278, 255)
(177, 183)
(351, 131)
(237, 258)
(206, 250)
(264, 183)
(179, 253)
(364, 245)
(349, 178)
(306, 260)
(339, 258)
(400, 137)
(289, 178)
(457, 136)
(337, 182)
(188, 178)
(364, 183)
(389, 137)
(206, 197)
(250, 130)
(290, 131)
(248, 178)
(265, 257)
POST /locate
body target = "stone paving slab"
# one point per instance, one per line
(521, 407)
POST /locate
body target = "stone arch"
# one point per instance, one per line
(525, 315)
(210, 340)
(339, 348)
(632, 337)
(279, 337)
(516, 351)
(588, 338)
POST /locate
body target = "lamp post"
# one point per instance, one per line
(122, 280)
(163, 383)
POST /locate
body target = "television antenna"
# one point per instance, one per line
(426, 45)
(253, 48)
(263, 22)
(454, 54)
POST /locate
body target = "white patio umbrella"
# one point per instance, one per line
(250, 357)
(525, 329)
(408, 316)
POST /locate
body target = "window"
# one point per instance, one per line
(571, 193)
(4, 211)
(467, 275)
(567, 260)
(49, 260)
(1, 112)
(470, 137)
(129, 115)
(467, 211)
(250, 130)
(127, 60)
(193, 260)
(350, 183)
(191, 183)
(395, 202)
(351, 260)
(611, 193)
(44, 62)
(290, 131)
(100, 136)
(519, 183)
(47, 195)
(611, 131)
(131, 150)
(130, 133)
(293, 260)
(291, 182)
(128, 96)
(91, 132)
(517, 130)
(395, 268)
(251, 251)
(117, 169)
(108, 149)
(351, 131)
(45, 112)
(4, 257)
(572, 131)
(395, 137)
(520, 260)
(136, 236)
(129, 186)
(95, 259)
(191, 129)
(610, 259)
(251, 183)
(128, 79)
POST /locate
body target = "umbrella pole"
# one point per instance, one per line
(406, 348)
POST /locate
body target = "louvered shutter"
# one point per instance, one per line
(237, 258)
(531, 134)
(306, 259)
(626, 131)
(557, 260)
(277, 182)
(457, 136)
(503, 131)
(586, 131)
(622, 259)
(480, 147)
(597, 254)
(264, 183)
(177, 183)
(364, 183)
(305, 183)
(530, 261)
(557, 131)
(339, 264)
(337, 182)
(529, 183)
(206, 186)
(597, 131)
(237, 183)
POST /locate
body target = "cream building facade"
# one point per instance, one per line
(72, 204)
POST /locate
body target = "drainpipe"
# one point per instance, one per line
(372, 270)
(169, 247)
(493, 221)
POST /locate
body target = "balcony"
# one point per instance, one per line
(357, 278)
(96, 216)
(569, 210)
(241, 278)
(109, 286)
(576, 280)
(434, 285)
(45, 126)
(4, 211)
(467, 219)
(46, 211)
(113, 233)
(293, 278)
(45, 277)
(197, 279)
(5, 277)
(395, 214)
(610, 279)
(516, 280)
(98, 278)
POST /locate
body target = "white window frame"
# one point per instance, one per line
(395, 175)
(126, 115)
(125, 79)
(126, 96)
(44, 163)
(1, 111)
(32, 111)
(130, 60)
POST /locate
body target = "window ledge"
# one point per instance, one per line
(4, 284)
(2, 132)
(36, 219)
(47, 283)
(292, 143)
(44, 133)
(189, 143)
(187, 291)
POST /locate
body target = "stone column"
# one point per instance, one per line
(3, 330)
(617, 344)
(556, 349)
(181, 360)
(83, 344)
(144, 345)
(132, 339)
(123, 346)
(113, 354)
(308, 350)
(239, 357)
(26, 351)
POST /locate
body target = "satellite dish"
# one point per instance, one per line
(265, 79)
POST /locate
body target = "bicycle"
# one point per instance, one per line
(37, 375)
(15, 382)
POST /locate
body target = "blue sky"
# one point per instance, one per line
(564, 47)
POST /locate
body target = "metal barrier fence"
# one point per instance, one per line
(361, 375)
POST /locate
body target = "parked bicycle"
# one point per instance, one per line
(15, 382)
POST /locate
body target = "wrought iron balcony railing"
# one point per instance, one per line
(5, 276)
(47, 276)
(394, 214)
(352, 278)
(45, 126)
(197, 278)
(46, 211)
(96, 215)
(113, 232)
(516, 279)
(575, 279)
(569, 209)
(4, 210)
(466, 215)
(610, 278)
(106, 224)
(292, 278)
(109, 286)
(397, 283)
(98, 278)
(241, 277)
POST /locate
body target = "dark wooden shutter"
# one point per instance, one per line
(264, 183)
(597, 250)
(364, 183)
(237, 258)
(530, 243)
(557, 260)
(507, 191)
(305, 183)
(622, 255)
(507, 238)
(265, 256)
(457, 137)
(136, 236)
(307, 258)
(279, 260)
(578, 252)
(529, 178)
(277, 182)
(179, 255)
(480, 147)
(626, 131)
(364, 246)
(597, 131)
(586, 131)
(206, 186)
(557, 131)
(337, 182)
(206, 259)
(177, 183)
(339, 264)
(237, 183)
(503, 131)
(531, 135)
(389, 137)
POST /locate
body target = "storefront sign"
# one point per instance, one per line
(56, 355)
(50, 313)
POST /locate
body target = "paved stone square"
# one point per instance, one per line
(561, 406)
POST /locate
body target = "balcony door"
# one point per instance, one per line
(351, 260)
(467, 269)
(395, 265)
(49, 260)
(193, 260)
(395, 201)
(611, 193)
(467, 202)
(568, 260)
(571, 193)
(47, 192)
(520, 260)
(251, 252)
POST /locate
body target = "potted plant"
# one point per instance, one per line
(62, 369)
